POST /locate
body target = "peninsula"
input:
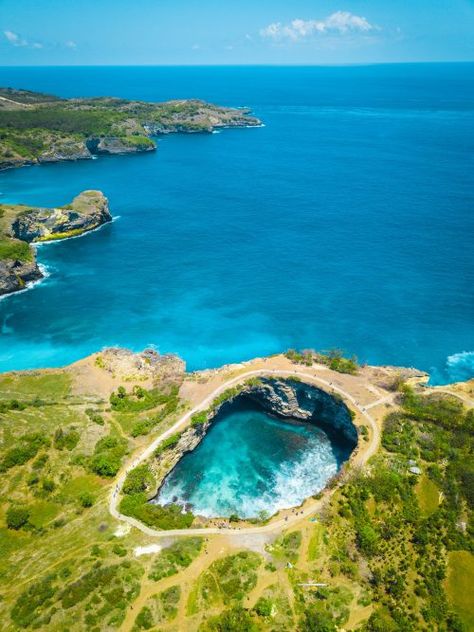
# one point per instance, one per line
(21, 225)
(39, 128)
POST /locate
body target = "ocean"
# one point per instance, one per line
(347, 221)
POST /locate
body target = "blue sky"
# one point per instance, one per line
(64, 32)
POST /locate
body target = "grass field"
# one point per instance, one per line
(460, 586)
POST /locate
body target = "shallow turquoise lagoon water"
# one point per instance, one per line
(347, 221)
(250, 462)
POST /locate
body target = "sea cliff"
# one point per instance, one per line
(38, 128)
(22, 225)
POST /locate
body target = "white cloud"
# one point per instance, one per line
(15, 39)
(70, 44)
(338, 23)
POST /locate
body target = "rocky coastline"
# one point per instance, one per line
(50, 129)
(21, 226)
(284, 398)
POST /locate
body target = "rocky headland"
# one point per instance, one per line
(21, 226)
(37, 128)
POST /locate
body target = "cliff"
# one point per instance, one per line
(21, 225)
(39, 128)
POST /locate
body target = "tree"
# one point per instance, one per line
(17, 517)
(317, 620)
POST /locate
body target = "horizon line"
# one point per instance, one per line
(245, 65)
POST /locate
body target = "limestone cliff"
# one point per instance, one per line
(88, 210)
(22, 225)
(16, 274)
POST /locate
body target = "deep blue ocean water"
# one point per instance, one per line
(347, 221)
(250, 462)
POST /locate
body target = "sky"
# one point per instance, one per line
(175, 32)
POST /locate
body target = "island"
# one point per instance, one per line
(21, 226)
(40, 128)
(385, 546)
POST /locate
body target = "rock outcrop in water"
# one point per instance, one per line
(16, 274)
(21, 225)
(89, 210)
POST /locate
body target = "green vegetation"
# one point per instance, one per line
(459, 583)
(169, 443)
(15, 249)
(17, 517)
(227, 581)
(66, 439)
(160, 608)
(108, 455)
(199, 419)
(101, 593)
(72, 126)
(334, 359)
(286, 547)
(156, 516)
(235, 619)
(27, 448)
(140, 399)
(138, 480)
(175, 557)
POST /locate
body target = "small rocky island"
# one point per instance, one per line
(39, 128)
(21, 225)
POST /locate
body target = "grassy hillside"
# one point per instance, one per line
(37, 127)
(391, 550)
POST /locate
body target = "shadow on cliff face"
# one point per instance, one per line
(294, 400)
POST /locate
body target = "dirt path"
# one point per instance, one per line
(216, 548)
(360, 458)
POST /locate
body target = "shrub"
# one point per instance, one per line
(29, 446)
(48, 485)
(235, 619)
(167, 444)
(175, 557)
(95, 416)
(29, 604)
(17, 517)
(168, 517)
(198, 419)
(108, 454)
(86, 499)
(138, 480)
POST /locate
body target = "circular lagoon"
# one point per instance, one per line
(257, 457)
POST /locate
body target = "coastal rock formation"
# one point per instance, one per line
(298, 400)
(288, 399)
(21, 225)
(16, 274)
(40, 128)
(88, 210)
(148, 364)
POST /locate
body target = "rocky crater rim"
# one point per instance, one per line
(288, 399)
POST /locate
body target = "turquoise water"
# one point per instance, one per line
(347, 221)
(250, 462)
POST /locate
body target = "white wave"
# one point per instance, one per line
(289, 486)
(215, 131)
(32, 284)
(460, 366)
